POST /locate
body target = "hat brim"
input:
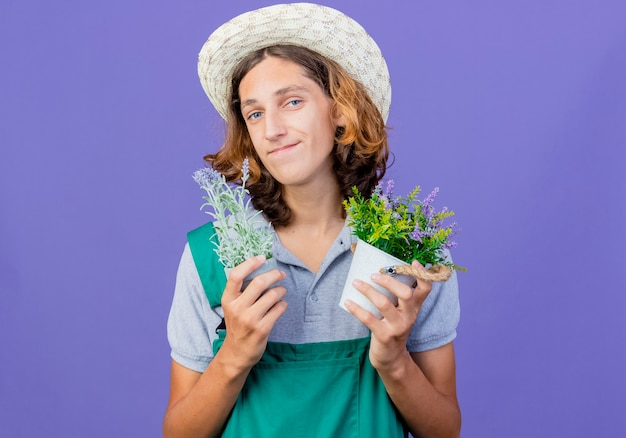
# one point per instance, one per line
(325, 30)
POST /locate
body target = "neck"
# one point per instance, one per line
(316, 221)
(319, 210)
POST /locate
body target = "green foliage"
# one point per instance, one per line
(404, 227)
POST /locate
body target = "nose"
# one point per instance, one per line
(274, 125)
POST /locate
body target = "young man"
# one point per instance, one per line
(305, 94)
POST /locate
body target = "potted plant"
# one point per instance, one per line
(393, 231)
(241, 231)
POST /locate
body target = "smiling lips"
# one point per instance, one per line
(282, 149)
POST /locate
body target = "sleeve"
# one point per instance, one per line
(438, 318)
(192, 322)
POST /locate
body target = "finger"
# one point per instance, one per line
(383, 303)
(408, 303)
(268, 299)
(369, 320)
(272, 314)
(263, 314)
(260, 284)
(417, 265)
(237, 275)
(423, 287)
(401, 290)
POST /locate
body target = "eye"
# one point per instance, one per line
(294, 102)
(255, 115)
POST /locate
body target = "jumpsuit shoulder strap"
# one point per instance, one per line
(202, 242)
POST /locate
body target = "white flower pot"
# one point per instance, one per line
(265, 267)
(367, 260)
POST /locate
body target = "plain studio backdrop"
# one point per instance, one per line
(516, 110)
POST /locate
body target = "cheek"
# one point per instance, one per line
(326, 131)
(251, 140)
(255, 138)
(258, 152)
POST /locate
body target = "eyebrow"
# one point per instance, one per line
(279, 92)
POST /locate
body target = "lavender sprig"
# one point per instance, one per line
(241, 231)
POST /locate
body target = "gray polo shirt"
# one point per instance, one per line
(313, 314)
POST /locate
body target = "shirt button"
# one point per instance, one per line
(313, 298)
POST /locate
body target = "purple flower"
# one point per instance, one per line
(206, 177)
(389, 189)
(430, 198)
(427, 209)
(449, 245)
(246, 167)
(454, 228)
(378, 190)
(417, 234)
(383, 197)
(453, 232)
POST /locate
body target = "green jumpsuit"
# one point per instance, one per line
(325, 389)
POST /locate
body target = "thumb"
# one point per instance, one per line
(237, 275)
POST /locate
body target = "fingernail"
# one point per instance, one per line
(375, 276)
(357, 283)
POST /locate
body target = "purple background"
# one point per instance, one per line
(516, 110)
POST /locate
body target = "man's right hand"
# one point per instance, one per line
(251, 314)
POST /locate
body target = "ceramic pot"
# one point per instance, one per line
(367, 260)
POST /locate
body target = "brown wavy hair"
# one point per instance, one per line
(361, 148)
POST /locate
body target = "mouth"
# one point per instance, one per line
(282, 149)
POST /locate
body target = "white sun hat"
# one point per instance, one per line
(324, 30)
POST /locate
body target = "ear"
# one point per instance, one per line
(338, 118)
